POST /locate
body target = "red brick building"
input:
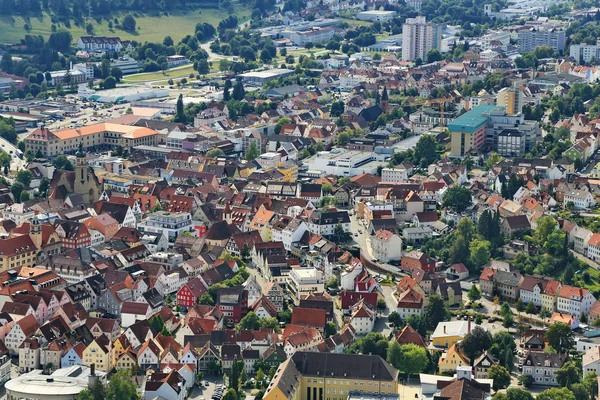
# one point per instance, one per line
(417, 259)
(189, 293)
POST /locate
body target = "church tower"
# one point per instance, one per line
(35, 232)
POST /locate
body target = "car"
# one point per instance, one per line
(355, 234)
(206, 383)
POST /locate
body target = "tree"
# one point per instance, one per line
(560, 337)
(590, 381)
(433, 56)
(230, 394)
(179, 114)
(492, 160)
(500, 375)
(168, 41)
(157, 323)
(414, 359)
(203, 67)
(249, 322)
(337, 108)
(4, 160)
(568, 374)
(252, 152)
(394, 318)
(60, 41)
(436, 311)
(426, 150)
(457, 198)
(121, 387)
(7, 130)
(475, 342)
(520, 306)
(513, 394)
(128, 23)
(110, 82)
(16, 190)
(394, 354)
(213, 153)
(556, 394)
(330, 329)
(6, 63)
(474, 294)
(238, 91)
(530, 308)
(526, 380)
(24, 196)
(480, 252)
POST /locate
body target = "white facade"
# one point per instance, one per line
(574, 304)
(305, 281)
(170, 224)
(580, 199)
(386, 248)
(397, 175)
(419, 37)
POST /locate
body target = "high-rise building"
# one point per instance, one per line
(511, 98)
(419, 37)
(583, 52)
(532, 38)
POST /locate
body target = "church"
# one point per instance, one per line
(82, 182)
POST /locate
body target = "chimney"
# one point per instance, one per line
(444, 328)
(92, 369)
(469, 325)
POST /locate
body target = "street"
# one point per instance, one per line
(16, 164)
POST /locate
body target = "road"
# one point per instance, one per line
(16, 164)
(586, 260)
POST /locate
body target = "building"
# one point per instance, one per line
(535, 37)
(167, 386)
(305, 281)
(233, 303)
(419, 37)
(574, 300)
(584, 53)
(189, 293)
(62, 384)
(315, 375)
(170, 224)
(260, 77)
(386, 246)
(417, 260)
(376, 15)
(91, 137)
(468, 132)
(543, 366)
(102, 43)
(511, 143)
(447, 333)
(581, 199)
(511, 98)
(127, 65)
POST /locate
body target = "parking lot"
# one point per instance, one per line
(206, 392)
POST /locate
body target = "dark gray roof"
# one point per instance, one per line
(507, 278)
(348, 366)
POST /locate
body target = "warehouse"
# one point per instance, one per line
(260, 77)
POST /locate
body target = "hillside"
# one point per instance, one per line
(150, 28)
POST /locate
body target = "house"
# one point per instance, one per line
(506, 285)
(149, 355)
(482, 365)
(313, 318)
(543, 366)
(131, 312)
(580, 199)
(448, 333)
(275, 295)
(457, 271)
(417, 259)
(591, 361)
(386, 246)
(573, 300)
(362, 317)
(513, 224)
(73, 356)
(190, 292)
(99, 353)
(233, 303)
(532, 289)
(264, 308)
(410, 302)
(168, 386)
(409, 335)
(22, 329)
(453, 358)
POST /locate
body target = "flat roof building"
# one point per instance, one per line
(260, 77)
(468, 131)
(376, 15)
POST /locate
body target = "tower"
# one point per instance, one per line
(80, 166)
(35, 232)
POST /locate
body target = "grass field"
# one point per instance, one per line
(151, 28)
(154, 76)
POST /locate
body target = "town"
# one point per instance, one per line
(300, 199)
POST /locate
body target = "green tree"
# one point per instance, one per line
(110, 82)
(457, 198)
(179, 114)
(337, 108)
(520, 306)
(433, 56)
(492, 160)
(249, 322)
(121, 387)
(530, 309)
(213, 153)
(394, 354)
(128, 23)
(330, 329)
(526, 380)
(230, 394)
(474, 294)
(436, 311)
(560, 337)
(16, 190)
(500, 375)
(476, 342)
(426, 150)
(157, 323)
(238, 91)
(556, 394)
(480, 253)
(24, 196)
(414, 359)
(568, 374)
(394, 318)
(590, 381)
(252, 152)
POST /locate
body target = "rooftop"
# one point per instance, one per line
(474, 119)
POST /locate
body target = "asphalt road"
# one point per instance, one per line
(16, 163)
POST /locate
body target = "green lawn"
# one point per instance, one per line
(151, 28)
(154, 76)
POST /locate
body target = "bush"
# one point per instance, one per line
(526, 380)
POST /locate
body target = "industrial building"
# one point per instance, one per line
(260, 77)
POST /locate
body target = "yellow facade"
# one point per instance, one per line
(126, 361)
(290, 174)
(549, 302)
(95, 354)
(333, 389)
(20, 260)
(452, 359)
(445, 341)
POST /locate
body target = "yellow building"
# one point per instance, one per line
(452, 359)
(511, 99)
(447, 333)
(98, 352)
(127, 360)
(289, 171)
(314, 376)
